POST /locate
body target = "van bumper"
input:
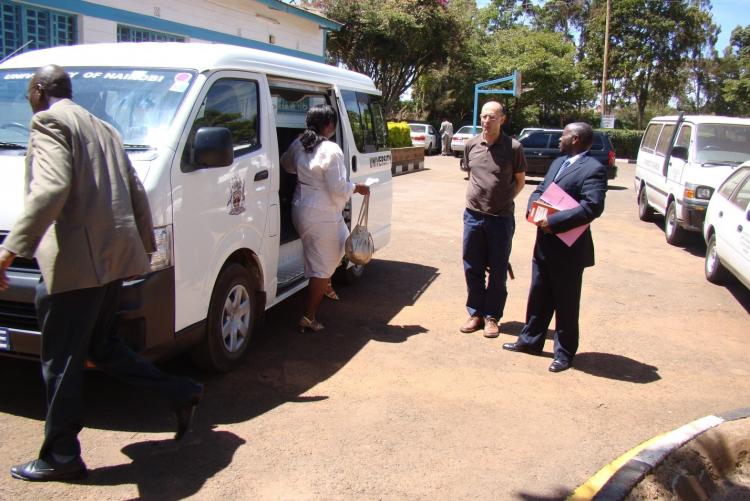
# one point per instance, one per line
(145, 315)
(694, 214)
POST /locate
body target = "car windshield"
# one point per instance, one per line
(467, 129)
(139, 103)
(722, 143)
(417, 128)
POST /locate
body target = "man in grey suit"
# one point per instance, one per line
(88, 223)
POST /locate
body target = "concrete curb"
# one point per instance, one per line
(405, 167)
(617, 479)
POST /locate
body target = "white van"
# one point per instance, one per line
(227, 248)
(681, 161)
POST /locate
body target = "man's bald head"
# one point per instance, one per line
(54, 80)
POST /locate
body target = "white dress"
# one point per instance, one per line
(319, 199)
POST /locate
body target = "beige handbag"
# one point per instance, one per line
(359, 245)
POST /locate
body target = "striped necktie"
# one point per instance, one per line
(564, 166)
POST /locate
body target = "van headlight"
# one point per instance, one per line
(162, 257)
(698, 191)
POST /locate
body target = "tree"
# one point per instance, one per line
(649, 42)
(547, 62)
(392, 41)
(736, 86)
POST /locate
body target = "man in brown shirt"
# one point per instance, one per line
(496, 175)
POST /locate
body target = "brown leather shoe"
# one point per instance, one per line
(491, 328)
(473, 324)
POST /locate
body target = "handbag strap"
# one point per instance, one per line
(364, 212)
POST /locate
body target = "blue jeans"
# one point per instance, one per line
(486, 249)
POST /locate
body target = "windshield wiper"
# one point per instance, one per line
(721, 162)
(12, 146)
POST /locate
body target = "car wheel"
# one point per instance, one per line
(672, 231)
(645, 213)
(231, 321)
(715, 271)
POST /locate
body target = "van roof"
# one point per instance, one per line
(197, 56)
(704, 119)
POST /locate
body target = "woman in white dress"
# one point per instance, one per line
(319, 199)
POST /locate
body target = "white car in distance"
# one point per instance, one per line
(458, 141)
(424, 135)
(727, 229)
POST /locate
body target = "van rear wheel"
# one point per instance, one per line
(645, 213)
(672, 230)
(231, 320)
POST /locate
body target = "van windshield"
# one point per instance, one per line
(722, 143)
(140, 103)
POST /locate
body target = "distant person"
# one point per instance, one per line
(319, 199)
(88, 223)
(497, 167)
(446, 133)
(557, 270)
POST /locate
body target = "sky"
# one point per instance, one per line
(727, 14)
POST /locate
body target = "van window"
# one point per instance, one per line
(232, 103)
(722, 143)
(664, 138)
(683, 138)
(650, 137)
(742, 198)
(366, 119)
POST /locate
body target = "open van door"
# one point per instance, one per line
(368, 157)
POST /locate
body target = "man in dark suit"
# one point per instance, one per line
(88, 223)
(557, 270)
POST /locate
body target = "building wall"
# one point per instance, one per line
(263, 24)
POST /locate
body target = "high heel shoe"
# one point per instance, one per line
(306, 323)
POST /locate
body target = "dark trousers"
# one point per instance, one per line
(486, 250)
(77, 325)
(554, 289)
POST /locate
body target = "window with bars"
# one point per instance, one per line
(20, 24)
(131, 34)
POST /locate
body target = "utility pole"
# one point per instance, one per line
(604, 68)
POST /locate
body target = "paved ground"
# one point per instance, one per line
(392, 402)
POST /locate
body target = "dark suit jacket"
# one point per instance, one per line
(586, 181)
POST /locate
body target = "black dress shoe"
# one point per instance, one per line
(186, 412)
(559, 365)
(522, 347)
(40, 470)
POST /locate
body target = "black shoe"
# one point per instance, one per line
(559, 365)
(40, 470)
(186, 412)
(522, 347)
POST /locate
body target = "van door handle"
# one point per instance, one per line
(260, 176)
(739, 228)
(354, 164)
(721, 213)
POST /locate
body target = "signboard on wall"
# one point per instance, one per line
(608, 122)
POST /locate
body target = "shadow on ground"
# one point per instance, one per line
(283, 366)
(619, 367)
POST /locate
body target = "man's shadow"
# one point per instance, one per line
(282, 367)
(606, 365)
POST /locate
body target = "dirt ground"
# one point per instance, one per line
(390, 401)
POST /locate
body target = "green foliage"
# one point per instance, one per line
(392, 41)
(398, 135)
(650, 41)
(625, 142)
(736, 87)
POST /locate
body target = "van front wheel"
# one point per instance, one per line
(672, 231)
(231, 321)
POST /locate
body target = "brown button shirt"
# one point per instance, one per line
(492, 169)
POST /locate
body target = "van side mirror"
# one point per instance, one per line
(212, 147)
(680, 152)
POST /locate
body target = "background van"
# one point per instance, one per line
(681, 161)
(204, 126)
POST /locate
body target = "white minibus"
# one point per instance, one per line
(227, 250)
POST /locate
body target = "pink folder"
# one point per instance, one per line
(557, 198)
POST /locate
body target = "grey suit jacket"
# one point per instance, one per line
(86, 216)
